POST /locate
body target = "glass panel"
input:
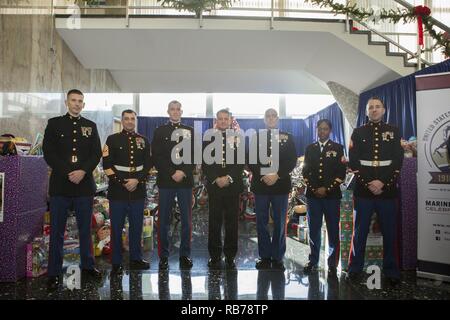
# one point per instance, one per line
(303, 105)
(155, 104)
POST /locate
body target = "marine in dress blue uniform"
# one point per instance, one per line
(272, 190)
(72, 149)
(376, 157)
(323, 171)
(173, 180)
(127, 161)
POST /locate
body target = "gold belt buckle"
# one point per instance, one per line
(223, 164)
(74, 159)
(376, 163)
(132, 169)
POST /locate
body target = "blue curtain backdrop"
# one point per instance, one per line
(303, 130)
(399, 97)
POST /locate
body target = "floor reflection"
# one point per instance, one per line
(244, 283)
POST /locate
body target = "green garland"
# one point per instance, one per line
(442, 39)
(196, 6)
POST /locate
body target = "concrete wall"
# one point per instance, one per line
(31, 61)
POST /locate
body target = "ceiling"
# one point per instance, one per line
(240, 59)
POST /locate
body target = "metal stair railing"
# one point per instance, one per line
(269, 8)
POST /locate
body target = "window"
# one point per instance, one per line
(303, 105)
(155, 104)
(246, 105)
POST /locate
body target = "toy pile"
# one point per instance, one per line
(37, 257)
(11, 145)
(410, 147)
(101, 227)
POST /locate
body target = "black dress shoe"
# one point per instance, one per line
(393, 282)
(278, 265)
(310, 268)
(230, 264)
(163, 263)
(354, 277)
(117, 269)
(139, 265)
(92, 273)
(263, 264)
(185, 262)
(332, 271)
(214, 263)
(53, 283)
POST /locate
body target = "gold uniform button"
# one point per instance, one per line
(376, 157)
(376, 151)
(320, 177)
(376, 145)
(320, 158)
(376, 133)
(131, 162)
(74, 149)
(132, 151)
(74, 123)
(321, 164)
(376, 139)
(320, 170)
(131, 157)
(132, 147)
(74, 131)
(74, 140)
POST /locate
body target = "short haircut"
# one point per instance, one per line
(224, 110)
(270, 110)
(173, 102)
(326, 121)
(374, 98)
(74, 91)
(128, 111)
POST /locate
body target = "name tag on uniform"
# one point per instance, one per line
(86, 131)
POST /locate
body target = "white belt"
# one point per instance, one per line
(375, 163)
(129, 169)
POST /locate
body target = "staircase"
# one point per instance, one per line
(272, 52)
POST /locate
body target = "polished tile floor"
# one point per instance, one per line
(244, 283)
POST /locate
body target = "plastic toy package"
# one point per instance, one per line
(37, 258)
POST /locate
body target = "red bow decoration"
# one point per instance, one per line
(420, 12)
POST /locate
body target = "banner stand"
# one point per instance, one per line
(433, 176)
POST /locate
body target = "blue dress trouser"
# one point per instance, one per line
(135, 211)
(317, 208)
(386, 210)
(166, 203)
(271, 247)
(59, 207)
